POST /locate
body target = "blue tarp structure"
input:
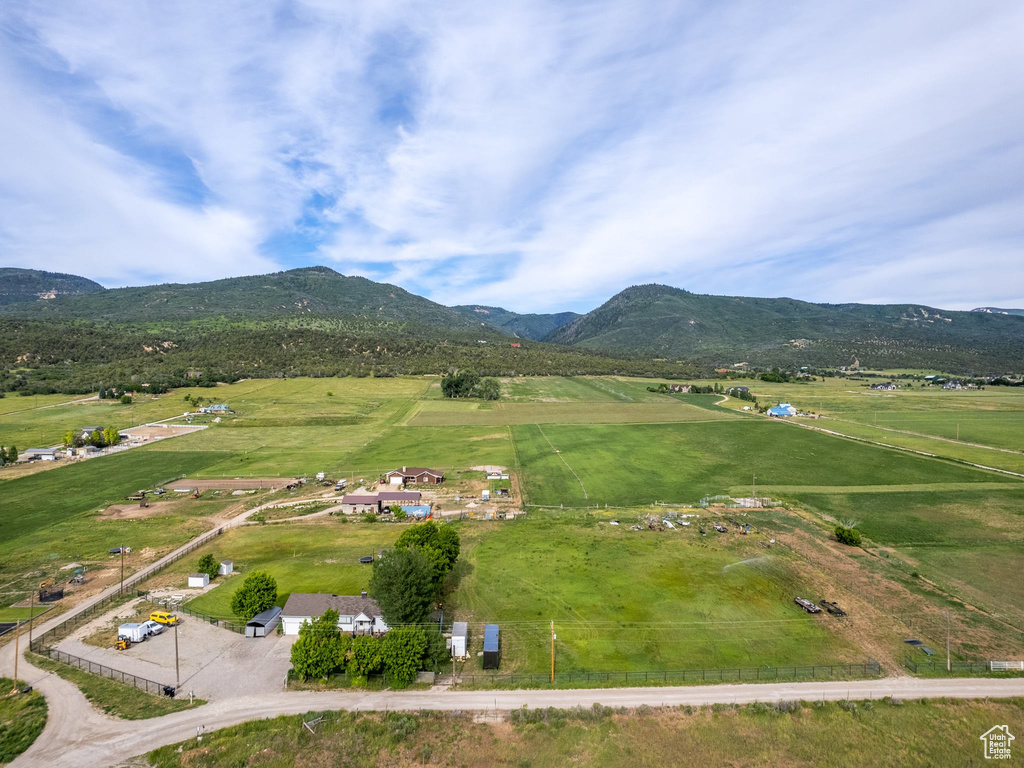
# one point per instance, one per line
(421, 511)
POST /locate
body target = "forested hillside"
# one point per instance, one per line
(25, 285)
(527, 326)
(720, 330)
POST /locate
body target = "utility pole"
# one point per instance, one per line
(753, 488)
(122, 571)
(552, 651)
(177, 671)
(31, 618)
(16, 655)
(948, 663)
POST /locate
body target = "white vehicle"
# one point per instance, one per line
(153, 627)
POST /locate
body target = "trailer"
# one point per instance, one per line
(134, 631)
(492, 646)
(807, 605)
(832, 607)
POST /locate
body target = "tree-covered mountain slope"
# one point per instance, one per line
(527, 326)
(35, 285)
(667, 322)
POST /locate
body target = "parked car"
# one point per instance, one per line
(163, 617)
(152, 627)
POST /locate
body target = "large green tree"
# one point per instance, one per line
(257, 594)
(403, 586)
(440, 543)
(321, 648)
(402, 651)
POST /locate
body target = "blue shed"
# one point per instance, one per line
(492, 646)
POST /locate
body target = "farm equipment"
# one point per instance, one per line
(721, 528)
(832, 607)
(78, 577)
(195, 493)
(807, 605)
(49, 592)
(122, 643)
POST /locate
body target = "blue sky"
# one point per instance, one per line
(536, 155)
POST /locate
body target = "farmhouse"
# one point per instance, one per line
(359, 503)
(357, 614)
(738, 389)
(87, 431)
(782, 410)
(953, 384)
(682, 388)
(888, 385)
(414, 475)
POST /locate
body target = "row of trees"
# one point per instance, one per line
(99, 438)
(323, 650)
(470, 384)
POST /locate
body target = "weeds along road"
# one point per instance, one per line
(83, 738)
(79, 736)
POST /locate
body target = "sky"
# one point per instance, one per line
(540, 156)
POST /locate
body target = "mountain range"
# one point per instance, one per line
(655, 322)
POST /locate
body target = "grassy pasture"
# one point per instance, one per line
(636, 464)
(1000, 429)
(22, 719)
(875, 734)
(627, 600)
(510, 414)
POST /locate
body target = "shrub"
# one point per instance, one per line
(208, 565)
(848, 536)
(321, 648)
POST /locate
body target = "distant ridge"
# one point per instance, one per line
(666, 322)
(21, 285)
(998, 311)
(528, 326)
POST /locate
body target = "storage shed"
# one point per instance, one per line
(492, 646)
(198, 579)
(262, 624)
(460, 634)
(226, 567)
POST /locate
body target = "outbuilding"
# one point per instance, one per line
(492, 646)
(198, 579)
(360, 503)
(262, 624)
(460, 636)
(227, 567)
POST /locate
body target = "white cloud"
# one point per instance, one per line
(538, 155)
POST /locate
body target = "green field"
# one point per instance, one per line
(856, 734)
(22, 719)
(580, 442)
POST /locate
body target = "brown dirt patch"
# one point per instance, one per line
(233, 484)
(133, 511)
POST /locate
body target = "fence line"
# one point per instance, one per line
(41, 644)
(223, 623)
(955, 666)
(149, 686)
(869, 667)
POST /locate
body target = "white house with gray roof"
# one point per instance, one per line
(357, 614)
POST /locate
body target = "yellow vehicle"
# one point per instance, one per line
(122, 644)
(163, 617)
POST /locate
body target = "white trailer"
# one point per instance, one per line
(133, 631)
(460, 633)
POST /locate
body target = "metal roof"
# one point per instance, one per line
(460, 629)
(262, 619)
(491, 637)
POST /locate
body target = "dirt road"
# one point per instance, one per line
(78, 736)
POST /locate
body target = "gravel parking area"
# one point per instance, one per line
(214, 662)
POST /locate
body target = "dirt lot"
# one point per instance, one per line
(236, 484)
(214, 662)
(149, 432)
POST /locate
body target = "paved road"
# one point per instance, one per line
(86, 739)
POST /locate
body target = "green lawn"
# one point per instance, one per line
(22, 719)
(308, 557)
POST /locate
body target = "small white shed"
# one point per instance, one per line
(226, 567)
(198, 579)
(460, 634)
